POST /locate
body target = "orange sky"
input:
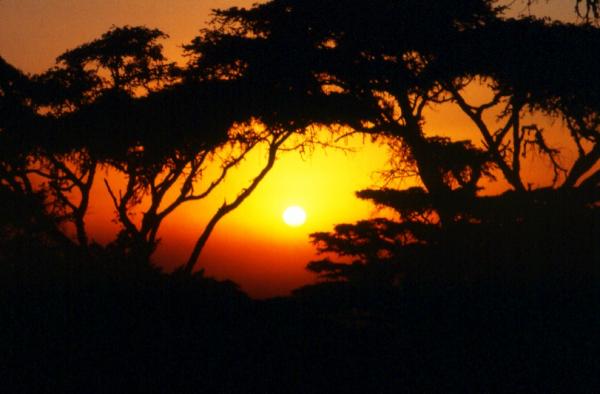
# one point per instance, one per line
(251, 246)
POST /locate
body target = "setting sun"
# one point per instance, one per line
(294, 216)
(300, 196)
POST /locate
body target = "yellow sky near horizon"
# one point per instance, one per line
(252, 245)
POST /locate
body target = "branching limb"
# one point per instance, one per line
(275, 144)
(121, 204)
(538, 142)
(494, 142)
(582, 165)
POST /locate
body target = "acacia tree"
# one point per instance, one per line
(181, 165)
(116, 102)
(23, 205)
(122, 107)
(200, 122)
(290, 65)
(388, 61)
(364, 66)
(244, 59)
(15, 116)
(123, 62)
(532, 67)
(556, 80)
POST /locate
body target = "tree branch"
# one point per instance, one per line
(226, 208)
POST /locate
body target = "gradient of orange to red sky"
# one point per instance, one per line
(252, 246)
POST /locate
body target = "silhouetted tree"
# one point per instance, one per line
(280, 98)
(63, 150)
(128, 59)
(15, 116)
(28, 233)
(387, 68)
(553, 78)
(95, 79)
(506, 240)
(384, 251)
(406, 75)
(116, 102)
(260, 76)
(274, 140)
(366, 66)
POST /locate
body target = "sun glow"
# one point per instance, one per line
(294, 216)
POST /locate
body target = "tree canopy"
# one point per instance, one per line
(266, 75)
(381, 64)
(482, 270)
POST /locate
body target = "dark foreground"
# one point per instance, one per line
(208, 337)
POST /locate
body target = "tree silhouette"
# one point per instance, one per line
(391, 251)
(536, 84)
(453, 288)
(377, 74)
(503, 240)
(371, 74)
(116, 103)
(15, 114)
(390, 70)
(268, 75)
(125, 58)
(63, 150)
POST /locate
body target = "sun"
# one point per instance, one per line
(294, 216)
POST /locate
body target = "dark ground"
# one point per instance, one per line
(174, 337)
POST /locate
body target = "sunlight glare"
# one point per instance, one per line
(294, 216)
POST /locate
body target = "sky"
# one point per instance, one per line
(252, 246)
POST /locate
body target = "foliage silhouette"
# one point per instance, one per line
(371, 74)
(503, 241)
(451, 282)
(376, 71)
(117, 103)
(394, 64)
(537, 84)
(99, 75)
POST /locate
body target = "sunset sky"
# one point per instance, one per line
(252, 246)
